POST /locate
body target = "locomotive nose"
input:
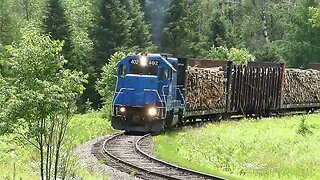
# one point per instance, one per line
(143, 90)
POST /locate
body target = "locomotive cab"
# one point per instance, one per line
(145, 94)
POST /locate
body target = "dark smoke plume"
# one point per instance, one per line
(155, 13)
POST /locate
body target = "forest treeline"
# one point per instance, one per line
(52, 52)
(261, 30)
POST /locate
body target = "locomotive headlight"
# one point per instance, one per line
(152, 111)
(122, 109)
(143, 60)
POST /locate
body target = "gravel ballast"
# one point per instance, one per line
(90, 162)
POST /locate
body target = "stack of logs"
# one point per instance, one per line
(302, 86)
(205, 89)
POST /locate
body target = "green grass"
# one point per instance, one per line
(82, 128)
(270, 148)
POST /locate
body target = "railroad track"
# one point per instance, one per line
(133, 155)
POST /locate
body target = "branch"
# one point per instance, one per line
(26, 138)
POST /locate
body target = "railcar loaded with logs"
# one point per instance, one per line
(157, 91)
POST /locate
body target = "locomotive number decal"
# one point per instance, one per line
(134, 61)
(150, 62)
(153, 63)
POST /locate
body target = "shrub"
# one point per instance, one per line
(304, 128)
(106, 85)
(239, 56)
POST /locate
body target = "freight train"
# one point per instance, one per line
(157, 91)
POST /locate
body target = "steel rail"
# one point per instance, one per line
(138, 153)
(105, 151)
(201, 174)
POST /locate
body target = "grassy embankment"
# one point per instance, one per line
(19, 161)
(271, 148)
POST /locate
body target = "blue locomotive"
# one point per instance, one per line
(156, 91)
(147, 96)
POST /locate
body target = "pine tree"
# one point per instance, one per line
(56, 25)
(140, 31)
(175, 33)
(112, 32)
(186, 31)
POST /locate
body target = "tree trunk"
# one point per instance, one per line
(264, 22)
(41, 144)
(26, 8)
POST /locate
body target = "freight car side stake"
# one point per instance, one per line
(131, 154)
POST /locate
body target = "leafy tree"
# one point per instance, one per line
(106, 85)
(39, 97)
(31, 11)
(219, 53)
(315, 16)
(239, 56)
(80, 17)
(304, 37)
(2, 60)
(8, 22)
(218, 31)
(269, 53)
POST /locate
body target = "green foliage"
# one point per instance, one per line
(79, 19)
(251, 149)
(218, 53)
(56, 25)
(3, 62)
(314, 16)
(85, 127)
(140, 31)
(218, 31)
(175, 28)
(239, 56)
(79, 15)
(9, 24)
(184, 34)
(120, 26)
(303, 47)
(18, 14)
(106, 85)
(14, 157)
(269, 53)
(304, 128)
(81, 129)
(41, 96)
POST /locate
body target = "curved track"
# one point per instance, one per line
(131, 154)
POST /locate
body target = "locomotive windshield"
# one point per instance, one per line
(144, 66)
(143, 70)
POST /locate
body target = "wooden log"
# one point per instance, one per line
(205, 89)
(302, 86)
